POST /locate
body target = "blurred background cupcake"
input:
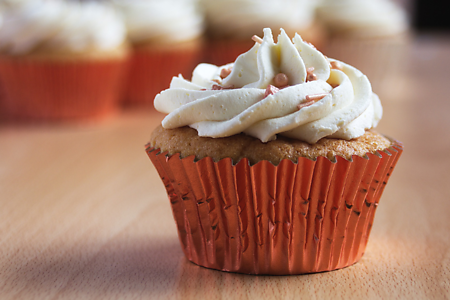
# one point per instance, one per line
(371, 35)
(61, 60)
(232, 23)
(166, 39)
(1, 88)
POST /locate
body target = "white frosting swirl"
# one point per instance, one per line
(363, 18)
(60, 25)
(345, 112)
(169, 20)
(243, 18)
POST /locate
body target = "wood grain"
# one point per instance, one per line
(85, 215)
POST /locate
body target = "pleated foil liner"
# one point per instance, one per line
(61, 90)
(294, 218)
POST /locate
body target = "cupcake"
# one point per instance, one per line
(61, 61)
(271, 164)
(370, 35)
(231, 24)
(166, 38)
(1, 88)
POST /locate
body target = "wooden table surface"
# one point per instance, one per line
(84, 215)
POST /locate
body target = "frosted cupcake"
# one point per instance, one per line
(166, 39)
(270, 163)
(61, 61)
(370, 35)
(231, 24)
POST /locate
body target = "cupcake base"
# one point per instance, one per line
(293, 218)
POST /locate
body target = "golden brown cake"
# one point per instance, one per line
(186, 141)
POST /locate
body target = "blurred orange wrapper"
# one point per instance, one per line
(152, 68)
(61, 90)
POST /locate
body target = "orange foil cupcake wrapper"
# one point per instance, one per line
(294, 218)
(54, 91)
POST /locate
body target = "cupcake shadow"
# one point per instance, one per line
(147, 266)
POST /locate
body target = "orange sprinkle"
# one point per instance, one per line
(257, 39)
(315, 97)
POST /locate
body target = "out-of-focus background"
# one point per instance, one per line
(83, 213)
(75, 61)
